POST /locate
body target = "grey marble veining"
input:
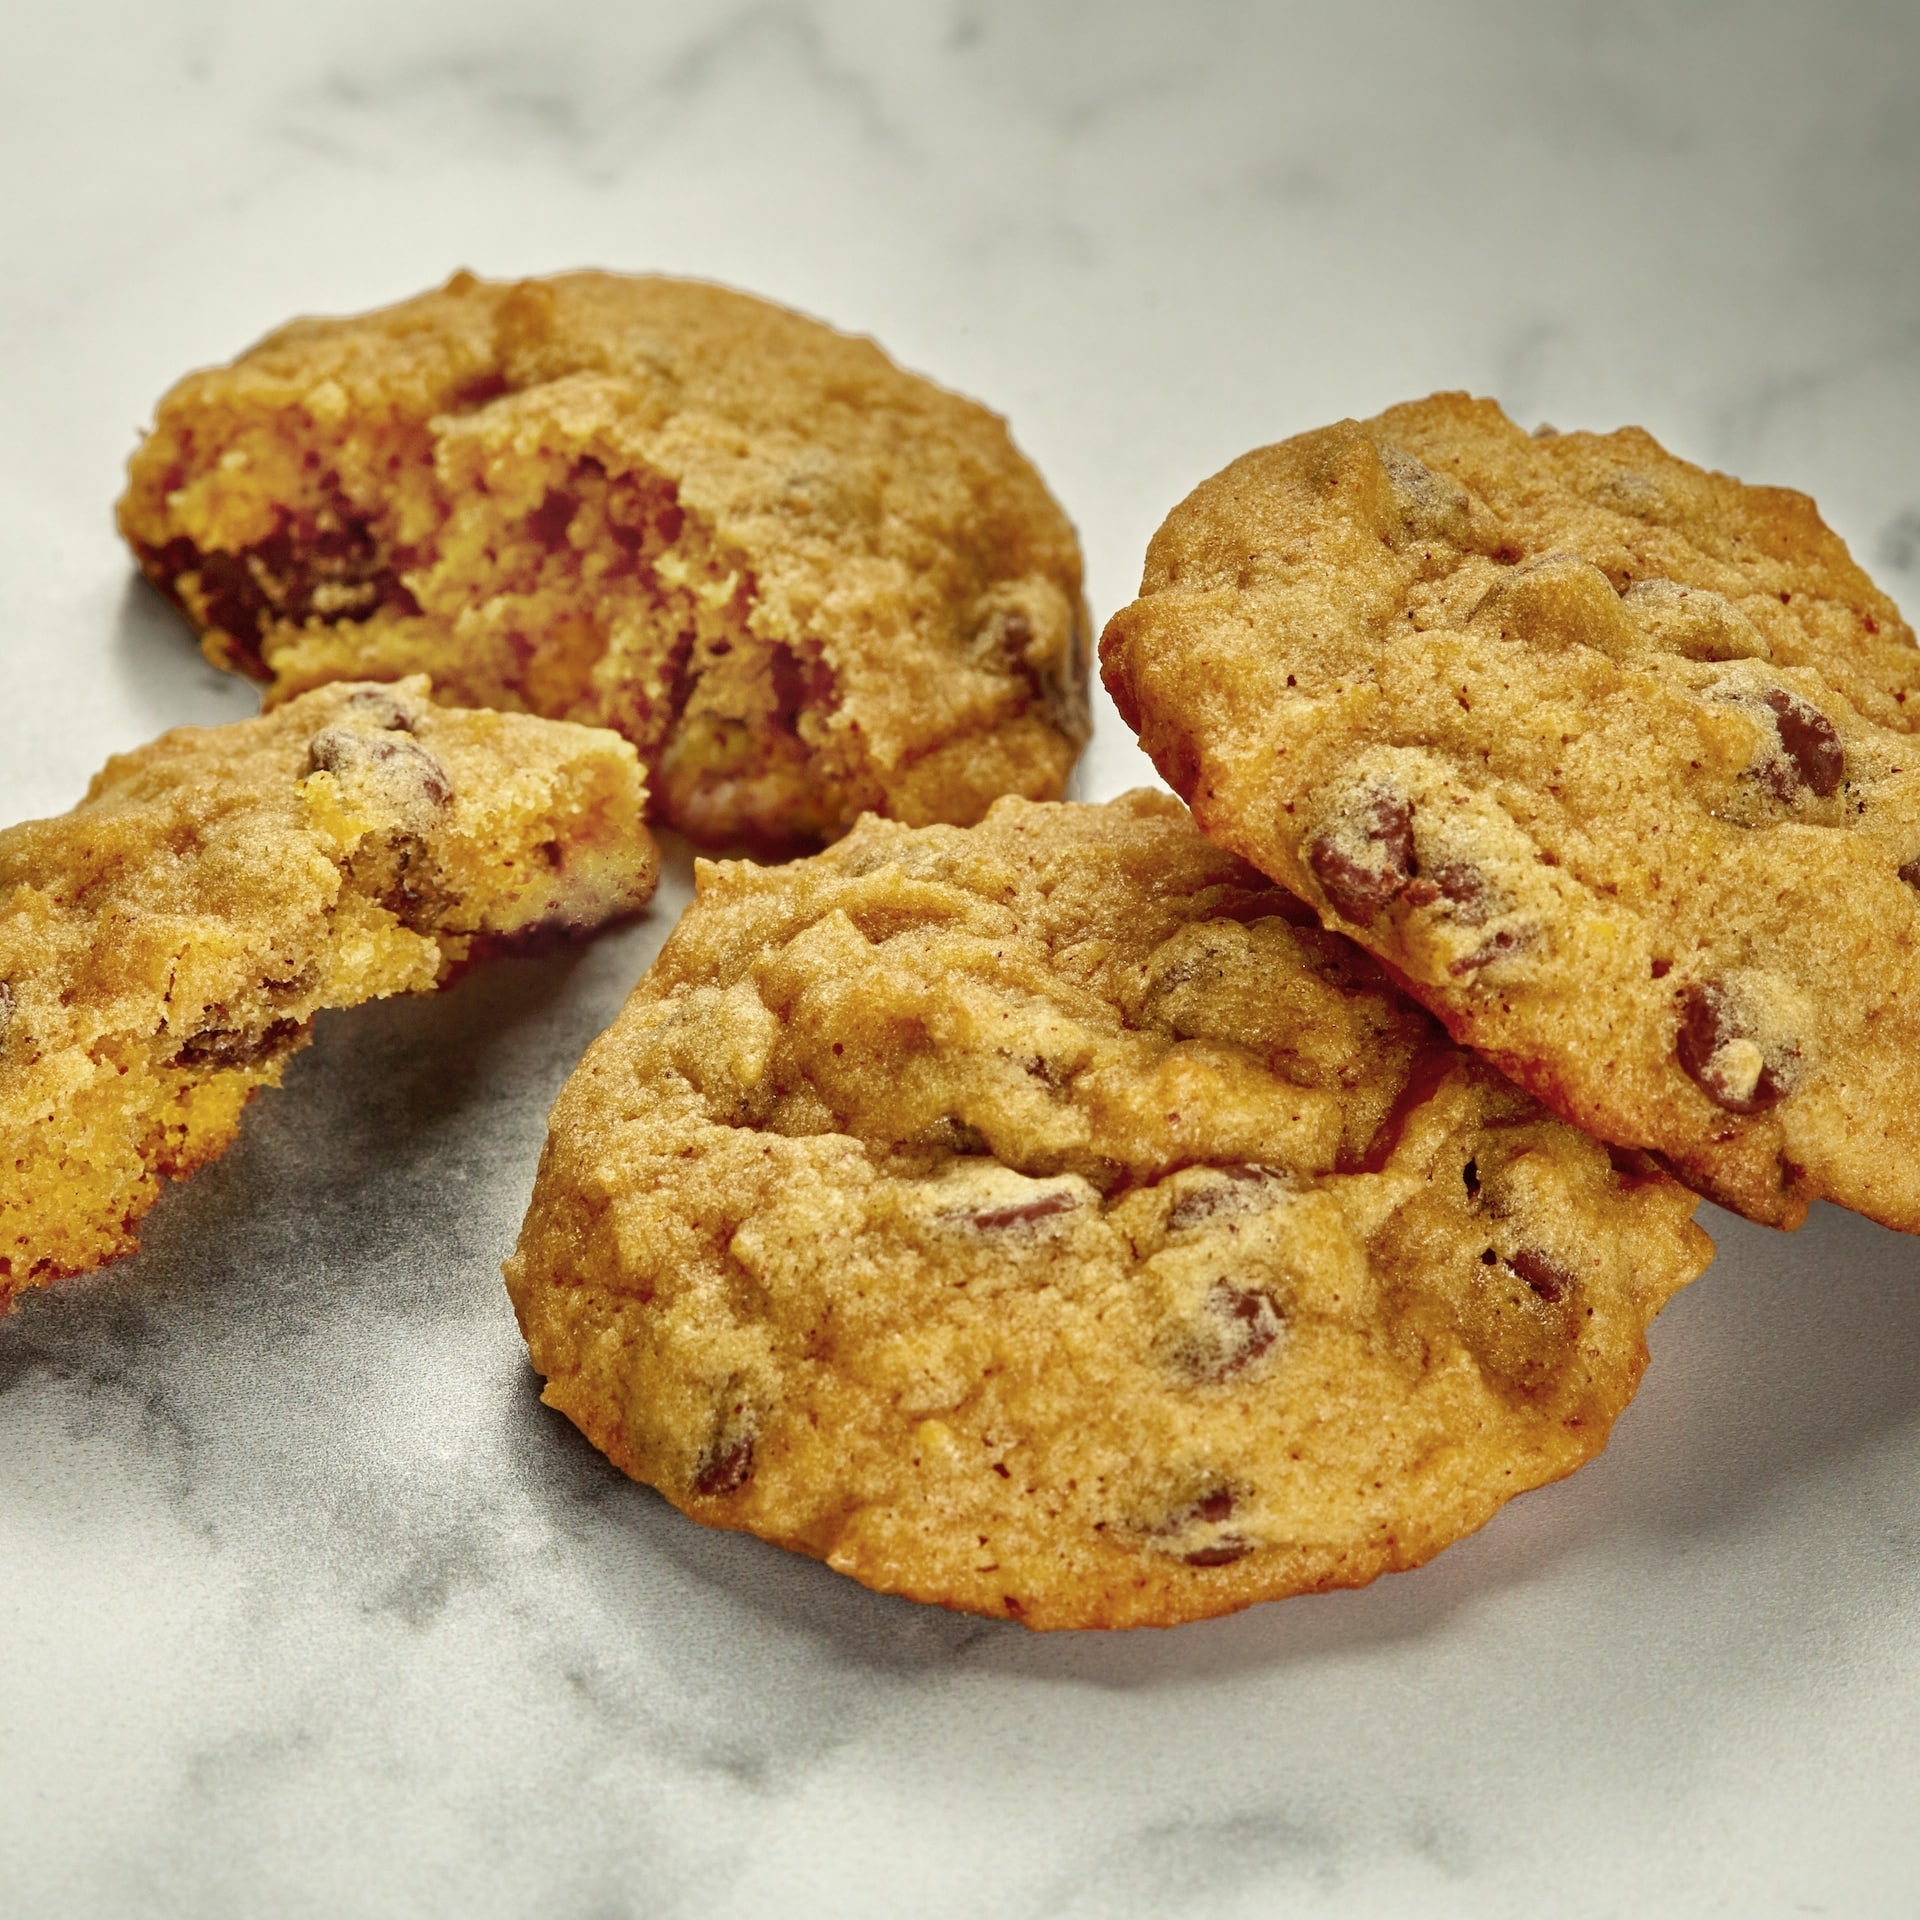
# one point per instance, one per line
(307, 1606)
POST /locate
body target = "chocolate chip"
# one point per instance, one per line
(1222, 1553)
(1729, 1065)
(232, 1047)
(1470, 1173)
(1234, 1327)
(1910, 871)
(326, 563)
(1431, 505)
(398, 764)
(382, 707)
(1213, 1507)
(957, 1136)
(725, 1467)
(1363, 860)
(1810, 744)
(1456, 881)
(1210, 1510)
(1056, 680)
(477, 392)
(1544, 1274)
(991, 1219)
(1252, 1320)
(802, 683)
(1241, 1189)
(549, 521)
(1509, 940)
(401, 874)
(239, 592)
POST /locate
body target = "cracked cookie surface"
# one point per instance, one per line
(1035, 1220)
(802, 581)
(165, 946)
(1611, 759)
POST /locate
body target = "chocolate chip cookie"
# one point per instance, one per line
(802, 581)
(1612, 760)
(1037, 1219)
(165, 946)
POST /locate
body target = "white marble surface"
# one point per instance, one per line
(307, 1607)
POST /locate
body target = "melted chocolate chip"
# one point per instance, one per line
(991, 1219)
(1544, 1274)
(233, 592)
(478, 391)
(1720, 1058)
(549, 521)
(1223, 1553)
(1358, 885)
(227, 1047)
(802, 683)
(326, 564)
(1470, 1173)
(725, 1467)
(1910, 872)
(408, 887)
(1810, 744)
(1456, 881)
(1507, 941)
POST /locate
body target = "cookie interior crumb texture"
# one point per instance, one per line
(165, 946)
(802, 581)
(1610, 758)
(1038, 1220)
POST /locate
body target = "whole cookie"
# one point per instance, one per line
(1034, 1220)
(1609, 758)
(165, 946)
(801, 581)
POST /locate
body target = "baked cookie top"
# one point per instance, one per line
(1609, 758)
(1034, 1219)
(802, 581)
(165, 946)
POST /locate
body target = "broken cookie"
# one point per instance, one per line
(802, 581)
(165, 946)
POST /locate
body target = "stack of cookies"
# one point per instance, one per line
(1088, 1215)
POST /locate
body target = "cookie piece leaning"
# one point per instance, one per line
(165, 946)
(802, 581)
(1034, 1220)
(1609, 758)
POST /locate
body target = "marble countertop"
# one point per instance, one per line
(307, 1606)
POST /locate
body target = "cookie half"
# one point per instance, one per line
(165, 946)
(1608, 758)
(1037, 1220)
(802, 581)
